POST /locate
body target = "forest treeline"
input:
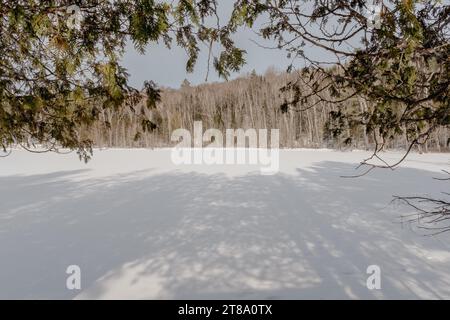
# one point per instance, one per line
(251, 101)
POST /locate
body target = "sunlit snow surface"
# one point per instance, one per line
(140, 227)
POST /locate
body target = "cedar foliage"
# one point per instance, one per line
(60, 69)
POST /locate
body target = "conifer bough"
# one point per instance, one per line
(59, 62)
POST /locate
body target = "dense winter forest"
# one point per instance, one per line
(251, 101)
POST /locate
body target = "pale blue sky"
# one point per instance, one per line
(168, 67)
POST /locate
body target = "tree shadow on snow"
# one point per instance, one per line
(192, 236)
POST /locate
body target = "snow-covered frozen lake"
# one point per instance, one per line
(140, 227)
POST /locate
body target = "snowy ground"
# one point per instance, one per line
(140, 227)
